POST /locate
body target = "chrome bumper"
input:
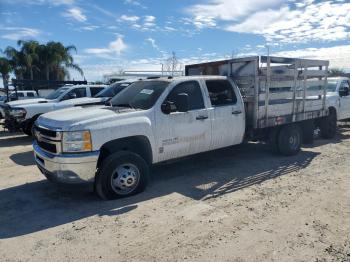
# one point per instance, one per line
(67, 168)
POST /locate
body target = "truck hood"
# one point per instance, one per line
(79, 118)
(82, 101)
(28, 101)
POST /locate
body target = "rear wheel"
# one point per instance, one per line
(290, 140)
(273, 139)
(328, 125)
(121, 174)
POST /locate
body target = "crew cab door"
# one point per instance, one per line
(183, 133)
(72, 94)
(228, 119)
(344, 93)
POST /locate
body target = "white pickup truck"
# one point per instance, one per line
(24, 96)
(155, 120)
(21, 115)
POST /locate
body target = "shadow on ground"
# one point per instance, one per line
(23, 159)
(15, 140)
(41, 205)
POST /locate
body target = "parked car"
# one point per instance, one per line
(156, 120)
(14, 96)
(19, 116)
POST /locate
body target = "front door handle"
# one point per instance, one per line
(202, 117)
(237, 112)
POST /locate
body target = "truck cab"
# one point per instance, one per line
(338, 96)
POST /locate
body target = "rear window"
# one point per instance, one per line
(95, 90)
(221, 92)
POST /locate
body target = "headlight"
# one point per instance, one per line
(18, 112)
(77, 141)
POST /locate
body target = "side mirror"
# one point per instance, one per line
(344, 92)
(166, 107)
(72, 95)
(182, 102)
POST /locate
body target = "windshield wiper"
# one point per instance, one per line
(125, 105)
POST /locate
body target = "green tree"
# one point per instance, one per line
(336, 72)
(29, 55)
(5, 69)
(35, 61)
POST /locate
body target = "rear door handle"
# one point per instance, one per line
(202, 117)
(237, 112)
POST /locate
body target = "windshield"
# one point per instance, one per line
(57, 93)
(332, 86)
(2, 98)
(113, 90)
(140, 95)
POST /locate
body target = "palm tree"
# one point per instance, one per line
(5, 69)
(30, 56)
(57, 59)
(42, 61)
(16, 60)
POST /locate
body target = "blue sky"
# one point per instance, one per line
(141, 34)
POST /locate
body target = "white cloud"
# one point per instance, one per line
(149, 19)
(90, 27)
(62, 2)
(231, 10)
(153, 43)
(20, 33)
(135, 3)
(278, 21)
(115, 47)
(145, 23)
(339, 56)
(130, 18)
(76, 14)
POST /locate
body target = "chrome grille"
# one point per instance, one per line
(48, 140)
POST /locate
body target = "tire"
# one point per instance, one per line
(273, 140)
(28, 128)
(328, 125)
(121, 174)
(289, 140)
(308, 128)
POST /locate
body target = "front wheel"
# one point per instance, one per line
(121, 174)
(28, 129)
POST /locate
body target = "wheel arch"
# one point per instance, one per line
(137, 144)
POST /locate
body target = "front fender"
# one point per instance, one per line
(123, 128)
(37, 110)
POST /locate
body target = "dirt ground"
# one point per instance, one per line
(238, 204)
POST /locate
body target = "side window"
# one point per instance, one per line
(20, 94)
(194, 92)
(221, 93)
(79, 92)
(29, 94)
(95, 90)
(345, 87)
(75, 93)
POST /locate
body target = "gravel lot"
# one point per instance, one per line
(238, 204)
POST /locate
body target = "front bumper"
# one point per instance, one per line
(67, 168)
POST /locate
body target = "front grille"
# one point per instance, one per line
(46, 132)
(48, 140)
(47, 146)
